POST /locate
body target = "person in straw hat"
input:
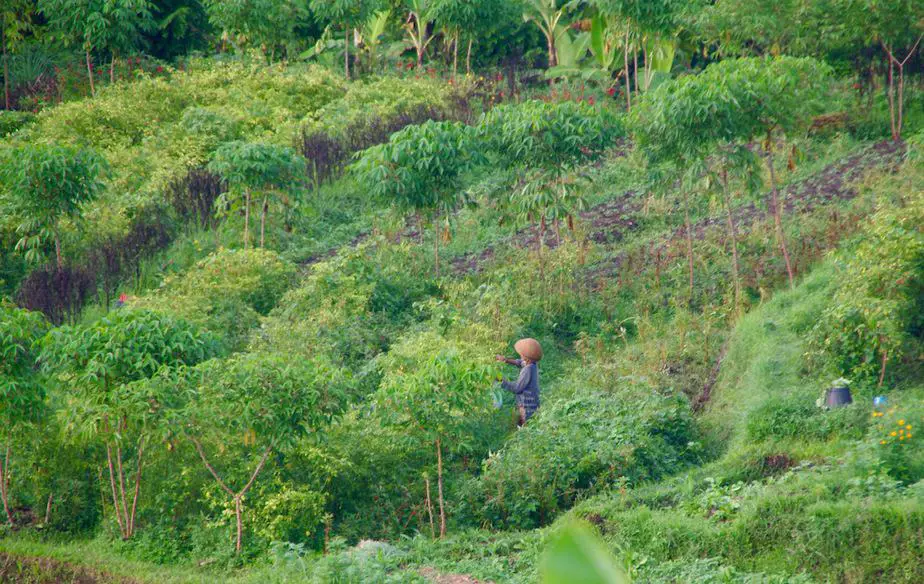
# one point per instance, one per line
(526, 387)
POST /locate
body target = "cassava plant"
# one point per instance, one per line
(435, 390)
(47, 184)
(726, 106)
(545, 143)
(420, 170)
(348, 13)
(101, 363)
(256, 168)
(241, 410)
(22, 393)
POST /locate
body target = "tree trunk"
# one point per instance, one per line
(115, 497)
(346, 53)
(48, 508)
(625, 58)
(436, 245)
(733, 236)
(263, 220)
(6, 69)
(430, 509)
(439, 483)
(238, 512)
(882, 369)
(550, 41)
(140, 463)
(238, 496)
(891, 93)
(455, 57)
(90, 73)
(121, 475)
(468, 58)
(689, 230)
(896, 111)
(635, 68)
(112, 69)
(539, 245)
(58, 258)
(778, 212)
(4, 483)
(246, 219)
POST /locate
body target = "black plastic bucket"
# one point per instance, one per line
(837, 397)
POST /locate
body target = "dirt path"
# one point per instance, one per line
(835, 182)
(29, 570)
(434, 576)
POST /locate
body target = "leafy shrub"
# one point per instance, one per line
(794, 418)
(366, 116)
(878, 308)
(10, 121)
(292, 515)
(226, 291)
(579, 445)
(351, 305)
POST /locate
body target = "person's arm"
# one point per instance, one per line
(514, 362)
(522, 382)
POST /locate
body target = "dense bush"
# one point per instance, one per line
(877, 311)
(226, 292)
(366, 116)
(349, 306)
(800, 418)
(10, 121)
(579, 445)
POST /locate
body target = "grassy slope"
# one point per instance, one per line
(777, 528)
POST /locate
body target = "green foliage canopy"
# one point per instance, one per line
(21, 391)
(46, 183)
(420, 168)
(731, 101)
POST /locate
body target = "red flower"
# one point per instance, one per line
(501, 95)
(611, 91)
(498, 77)
(857, 86)
(591, 100)
(159, 69)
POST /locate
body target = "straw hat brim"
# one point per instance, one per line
(528, 348)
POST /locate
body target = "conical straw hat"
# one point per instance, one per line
(529, 348)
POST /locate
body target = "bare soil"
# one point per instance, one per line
(28, 570)
(438, 578)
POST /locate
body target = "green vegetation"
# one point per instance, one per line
(705, 213)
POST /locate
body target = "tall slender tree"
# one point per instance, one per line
(348, 13)
(47, 184)
(101, 363)
(243, 409)
(420, 170)
(257, 168)
(22, 392)
(98, 25)
(15, 21)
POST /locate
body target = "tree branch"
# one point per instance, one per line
(256, 471)
(209, 466)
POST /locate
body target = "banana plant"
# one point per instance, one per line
(547, 16)
(659, 58)
(371, 34)
(570, 54)
(418, 28)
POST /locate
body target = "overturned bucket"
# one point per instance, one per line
(837, 396)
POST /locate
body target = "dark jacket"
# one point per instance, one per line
(526, 387)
